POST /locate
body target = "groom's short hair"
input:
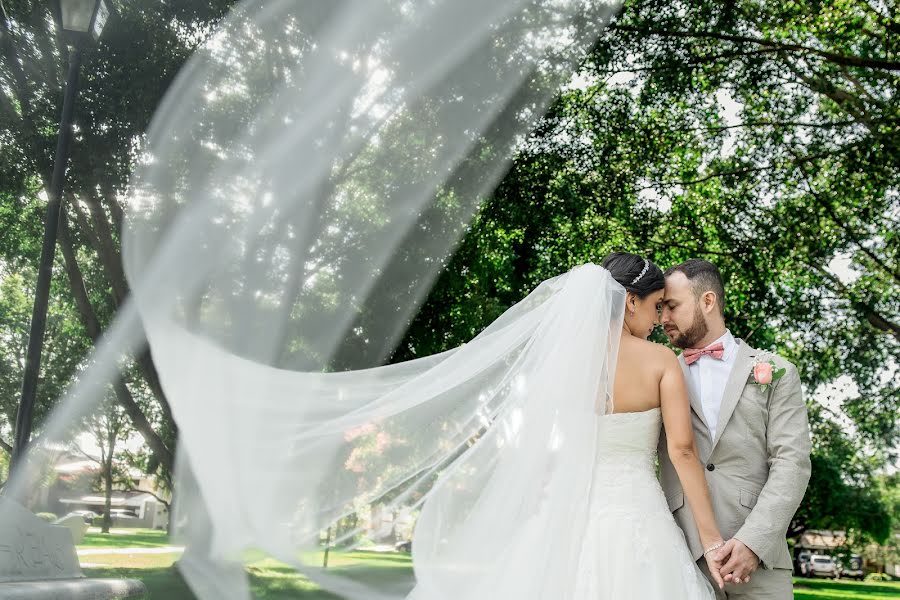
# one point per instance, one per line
(704, 277)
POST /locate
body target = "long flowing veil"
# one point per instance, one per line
(299, 189)
(506, 424)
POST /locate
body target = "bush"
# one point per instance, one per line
(48, 517)
(97, 521)
(879, 577)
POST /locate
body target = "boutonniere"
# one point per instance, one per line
(766, 372)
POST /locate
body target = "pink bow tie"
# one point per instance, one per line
(692, 355)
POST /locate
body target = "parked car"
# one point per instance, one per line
(87, 515)
(121, 513)
(822, 565)
(404, 546)
(853, 567)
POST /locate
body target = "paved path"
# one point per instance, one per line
(161, 550)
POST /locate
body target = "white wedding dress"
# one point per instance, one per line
(632, 545)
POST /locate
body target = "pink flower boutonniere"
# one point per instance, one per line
(765, 373)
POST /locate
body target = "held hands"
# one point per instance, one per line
(715, 566)
(739, 561)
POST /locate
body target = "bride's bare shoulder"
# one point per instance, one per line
(645, 350)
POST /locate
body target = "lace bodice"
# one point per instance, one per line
(629, 438)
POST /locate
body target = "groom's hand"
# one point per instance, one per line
(741, 561)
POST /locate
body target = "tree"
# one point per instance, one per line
(762, 137)
(119, 91)
(108, 427)
(64, 348)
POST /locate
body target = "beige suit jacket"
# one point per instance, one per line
(758, 466)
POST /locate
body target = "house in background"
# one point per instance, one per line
(132, 509)
(142, 505)
(833, 543)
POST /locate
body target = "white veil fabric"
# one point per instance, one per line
(507, 423)
(304, 182)
(300, 187)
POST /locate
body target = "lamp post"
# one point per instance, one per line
(81, 21)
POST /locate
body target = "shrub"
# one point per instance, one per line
(48, 517)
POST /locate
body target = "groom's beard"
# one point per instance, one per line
(696, 332)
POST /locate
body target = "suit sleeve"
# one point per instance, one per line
(788, 445)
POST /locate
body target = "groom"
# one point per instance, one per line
(752, 436)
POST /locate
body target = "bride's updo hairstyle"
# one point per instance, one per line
(635, 273)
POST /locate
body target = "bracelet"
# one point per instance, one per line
(713, 547)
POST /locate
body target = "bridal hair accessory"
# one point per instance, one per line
(646, 266)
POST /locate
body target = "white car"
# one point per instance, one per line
(853, 568)
(822, 565)
(87, 515)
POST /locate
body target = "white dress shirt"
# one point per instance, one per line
(708, 378)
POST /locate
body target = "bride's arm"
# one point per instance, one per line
(676, 414)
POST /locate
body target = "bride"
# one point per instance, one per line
(628, 545)
(633, 548)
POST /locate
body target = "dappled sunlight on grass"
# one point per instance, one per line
(274, 580)
(269, 578)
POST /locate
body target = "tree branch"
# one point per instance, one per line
(743, 170)
(6, 447)
(100, 236)
(20, 89)
(128, 483)
(832, 214)
(770, 123)
(699, 61)
(838, 59)
(872, 316)
(92, 326)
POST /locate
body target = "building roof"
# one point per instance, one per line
(117, 500)
(822, 539)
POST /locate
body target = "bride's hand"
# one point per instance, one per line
(714, 564)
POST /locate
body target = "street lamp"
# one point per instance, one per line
(81, 22)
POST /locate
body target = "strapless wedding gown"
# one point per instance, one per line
(633, 549)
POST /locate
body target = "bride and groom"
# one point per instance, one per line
(730, 427)
(537, 441)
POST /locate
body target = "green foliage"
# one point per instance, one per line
(46, 516)
(761, 137)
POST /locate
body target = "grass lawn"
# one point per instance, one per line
(844, 589)
(125, 538)
(269, 579)
(272, 580)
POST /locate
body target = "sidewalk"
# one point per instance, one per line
(161, 550)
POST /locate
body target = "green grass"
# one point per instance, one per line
(272, 580)
(135, 538)
(825, 589)
(269, 579)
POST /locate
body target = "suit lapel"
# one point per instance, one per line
(734, 387)
(692, 393)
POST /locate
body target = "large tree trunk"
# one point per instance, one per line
(92, 326)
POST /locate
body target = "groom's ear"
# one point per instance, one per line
(709, 301)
